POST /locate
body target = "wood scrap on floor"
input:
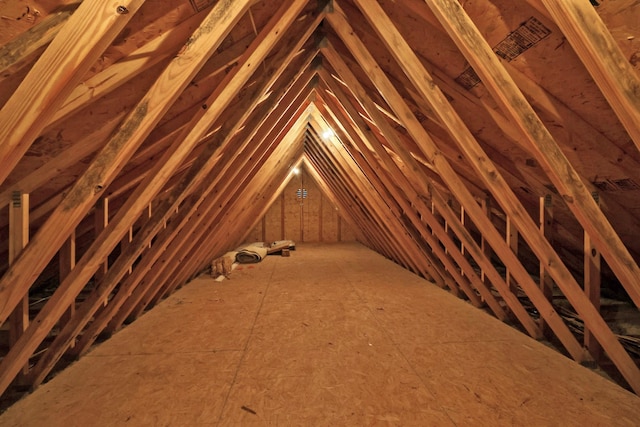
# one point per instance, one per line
(221, 267)
(280, 246)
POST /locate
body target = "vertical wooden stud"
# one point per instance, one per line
(149, 212)
(484, 246)
(101, 221)
(447, 229)
(462, 221)
(546, 226)
(320, 218)
(512, 241)
(126, 241)
(66, 263)
(282, 208)
(18, 239)
(592, 280)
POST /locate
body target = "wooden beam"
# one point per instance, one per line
(228, 162)
(415, 177)
(599, 52)
(138, 61)
(278, 64)
(101, 220)
(340, 23)
(359, 213)
(485, 202)
(66, 263)
(476, 156)
(83, 148)
(592, 282)
(34, 38)
(511, 236)
(389, 183)
(397, 179)
(572, 127)
(107, 164)
(56, 73)
(132, 132)
(558, 168)
(208, 160)
(547, 228)
(372, 191)
(18, 239)
(231, 209)
(397, 243)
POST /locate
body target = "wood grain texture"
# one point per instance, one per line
(332, 326)
(56, 73)
(435, 157)
(103, 169)
(421, 79)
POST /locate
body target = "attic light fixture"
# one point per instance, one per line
(327, 133)
(295, 171)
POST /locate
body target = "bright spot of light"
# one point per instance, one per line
(328, 133)
(295, 171)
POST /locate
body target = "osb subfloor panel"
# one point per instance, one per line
(333, 335)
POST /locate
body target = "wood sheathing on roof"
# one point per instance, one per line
(491, 146)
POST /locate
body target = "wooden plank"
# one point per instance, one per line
(422, 383)
(101, 220)
(138, 61)
(396, 178)
(592, 282)
(511, 236)
(82, 196)
(64, 160)
(238, 207)
(414, 174)
(111, 159)
(558, 168)
(547, 228)
(599, 52)
(485, 202)
(420, 78)
(18, 239)
(56, 73)
(383, 208)
(34, 38)
(339, 22)
(125, 242)
(66, 263)
(162, 213)
(216, 185)
(364, 160)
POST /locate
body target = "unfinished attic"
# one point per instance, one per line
(461, 180)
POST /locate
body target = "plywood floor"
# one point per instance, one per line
(333, 335)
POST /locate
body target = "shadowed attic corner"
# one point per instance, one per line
(489, 147)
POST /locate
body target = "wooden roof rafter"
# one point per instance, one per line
(196, 179)
(493, 180)
(578, 198)
(64, 62)
(111, 159)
